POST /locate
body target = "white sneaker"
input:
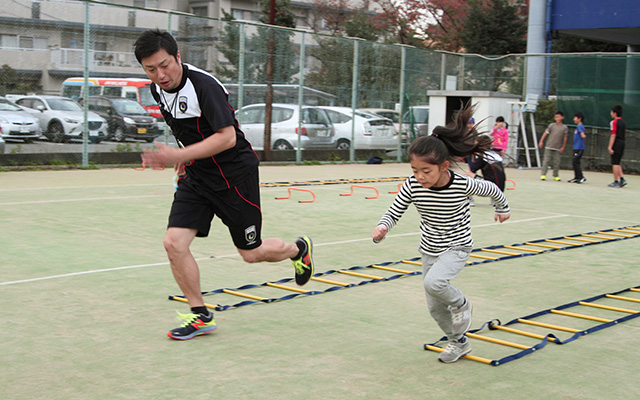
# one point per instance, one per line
(461, 318)
(454, 350)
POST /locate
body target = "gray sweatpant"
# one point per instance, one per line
(437, 272)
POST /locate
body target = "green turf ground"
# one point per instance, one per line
(84, 282)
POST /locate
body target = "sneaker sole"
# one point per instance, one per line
(201, 331)
(455, 359)
(310, 247)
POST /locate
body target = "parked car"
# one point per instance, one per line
(393, 115)
(62, 119)
(317, 130)
(16, 123)
(418, 118)
(371, 131)
(126, 118)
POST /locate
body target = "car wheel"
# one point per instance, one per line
(118, 135)
(56, 130)
(95, 140)
(282, 145)
(343, 144)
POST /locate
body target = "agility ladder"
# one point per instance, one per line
(550, 337)
(389, 271)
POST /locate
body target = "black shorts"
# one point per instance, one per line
(239, 209)
(618, 149)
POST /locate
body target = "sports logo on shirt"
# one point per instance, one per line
(250, 234)
(182, 104)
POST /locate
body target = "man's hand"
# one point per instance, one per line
(501, 217)
(161, 156)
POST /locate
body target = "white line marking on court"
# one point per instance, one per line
(85, 199)
(85, 187)
(237, 255)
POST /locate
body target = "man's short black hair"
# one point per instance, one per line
(580, 115)
(559, 113)
(617, 109)
(153, 40)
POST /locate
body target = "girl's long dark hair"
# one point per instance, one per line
(451, 142)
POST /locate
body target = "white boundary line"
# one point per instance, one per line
(237, 255)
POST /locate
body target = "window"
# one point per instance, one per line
(254, 115)
(9, 41)
(280, 114)
(95, 90)
(237, 14)
(337, 117)
(35, 10)
(202, 11)
(23, 42)
(145, 3)
(112, 91)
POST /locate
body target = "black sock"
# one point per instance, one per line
(302, 246)
(200, 310)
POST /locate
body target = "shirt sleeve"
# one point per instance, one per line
(486, 188)
(214, 105)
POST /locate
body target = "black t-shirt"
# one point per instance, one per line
(197, 109)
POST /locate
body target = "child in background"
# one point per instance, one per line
(491, 166)
(578, 148)
(441, 198)
(500, 135)
(557, 133)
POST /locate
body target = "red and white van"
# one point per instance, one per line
(131, 88)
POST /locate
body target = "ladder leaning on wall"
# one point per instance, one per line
(518, 111)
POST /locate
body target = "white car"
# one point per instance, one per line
(371, 131)
(393, 115)
(62, 119)
(16, 123)
(317, 130)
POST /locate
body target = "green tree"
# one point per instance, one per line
(493, 27)
(11, 82)
(255, 55)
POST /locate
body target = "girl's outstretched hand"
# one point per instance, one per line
(501, 217)
(379, 233)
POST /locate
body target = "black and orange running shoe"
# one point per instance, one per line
(192, 326)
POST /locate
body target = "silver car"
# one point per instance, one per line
(317, 130)
(62, 119)
(16, 123)
(371, 131)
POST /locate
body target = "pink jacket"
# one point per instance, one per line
(500, 138)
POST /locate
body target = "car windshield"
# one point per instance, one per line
(392, 116)
(146, 99)
(63, 105)
(420, 116)
(129, 107)
(6, 105)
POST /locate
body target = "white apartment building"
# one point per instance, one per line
(43, 40)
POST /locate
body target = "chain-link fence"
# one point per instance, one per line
(46, 44)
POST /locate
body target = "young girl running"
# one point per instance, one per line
(441, 197)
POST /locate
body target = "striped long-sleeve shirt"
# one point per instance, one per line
(445, 218)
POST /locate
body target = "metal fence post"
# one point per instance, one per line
(300, 97)
(85, 103)
(354, 99)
